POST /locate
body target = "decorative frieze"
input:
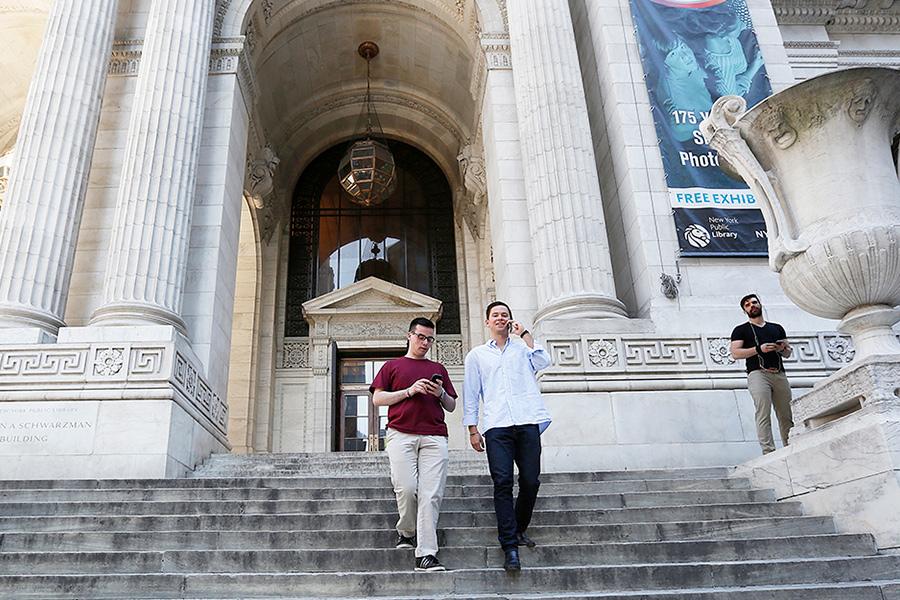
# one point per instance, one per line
(224, 57)
(295, 355)
(99, 368)
(631, 356)
(449, 352)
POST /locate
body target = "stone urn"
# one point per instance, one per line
(819, 157)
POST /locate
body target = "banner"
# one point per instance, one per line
(693, 52)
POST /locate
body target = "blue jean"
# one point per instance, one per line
(519, 444)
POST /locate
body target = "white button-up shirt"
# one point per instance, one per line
(505, 380)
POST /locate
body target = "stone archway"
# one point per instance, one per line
(303, 88)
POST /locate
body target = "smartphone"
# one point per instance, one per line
(509, 326)
(437, 378)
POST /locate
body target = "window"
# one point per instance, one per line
(407, 240)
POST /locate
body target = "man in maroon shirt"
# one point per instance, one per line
(417, 392)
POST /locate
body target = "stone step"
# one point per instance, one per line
(463, 583)
(324, 522)
(460, 557)
(349, 480)
(185, 493)
(269, 507)
(344, 467)
(722, 529)
(843, 591)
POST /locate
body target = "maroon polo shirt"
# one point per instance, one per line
(420, 414)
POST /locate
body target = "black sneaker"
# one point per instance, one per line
(429, 563)
(405, 542)
(524, 540)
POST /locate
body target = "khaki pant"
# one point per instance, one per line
(770, 390)
(418, 472)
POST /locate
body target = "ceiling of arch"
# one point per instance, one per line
(310, 78)
(21, 29)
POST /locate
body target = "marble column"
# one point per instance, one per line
(148, 252)
(571, 251)
(42, 211)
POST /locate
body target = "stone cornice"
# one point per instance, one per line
(224, 57)
(844, 16)
(496, 51)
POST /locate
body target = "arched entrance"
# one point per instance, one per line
(304, 88)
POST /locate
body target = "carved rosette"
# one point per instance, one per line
(720, 351)
(840, 349)
(603, 353)
(109, 361)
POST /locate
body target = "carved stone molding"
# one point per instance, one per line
(111, 368)
(261, 176)
(720, 351)
(449, 352)
(840, 349)
(295, 355)
(299, 120)
(603, 353)
(472, 199)
(840, 16)
(225, 56)
(496, 51)
(632, 357)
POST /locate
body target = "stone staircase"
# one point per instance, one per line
(320, 526)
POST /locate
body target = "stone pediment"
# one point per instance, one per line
(372, 297)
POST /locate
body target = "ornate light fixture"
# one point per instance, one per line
(367, 171)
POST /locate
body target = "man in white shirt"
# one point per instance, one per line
(502, 374)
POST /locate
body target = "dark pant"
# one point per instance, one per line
(520, 444)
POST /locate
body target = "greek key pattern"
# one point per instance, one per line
(26, 363)
(188, 381)
(110, 366)
(700, 355)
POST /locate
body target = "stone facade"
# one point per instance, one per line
(169, 225)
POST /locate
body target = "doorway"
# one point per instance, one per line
(360, 425)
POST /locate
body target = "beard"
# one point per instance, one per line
(754, 312)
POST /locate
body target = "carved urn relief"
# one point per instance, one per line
(818, 155)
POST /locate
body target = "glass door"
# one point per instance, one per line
(362, 424)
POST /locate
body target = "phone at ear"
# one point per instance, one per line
(509, 326)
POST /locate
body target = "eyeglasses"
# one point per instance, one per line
(424, 338)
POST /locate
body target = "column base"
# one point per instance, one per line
(848, 469)
(29, 323)
(584, 306)
(136, 314)
(25, 335)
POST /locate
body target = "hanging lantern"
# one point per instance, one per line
(367, 171)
